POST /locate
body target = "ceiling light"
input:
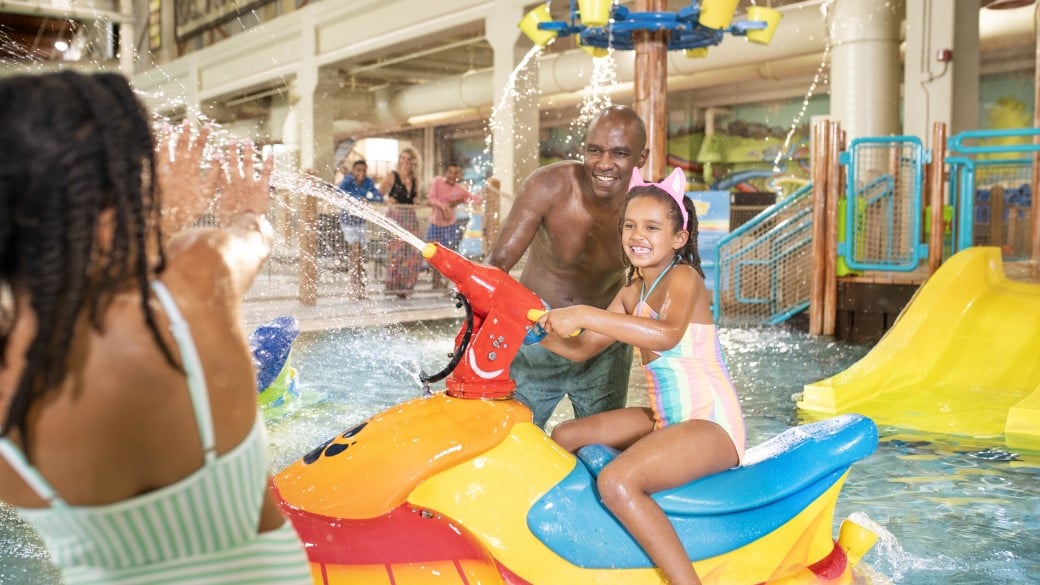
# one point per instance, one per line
(61, 46)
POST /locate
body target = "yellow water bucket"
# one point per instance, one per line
(594, 12)
(529, 25)
(770, 16)
(697, 53)
(717, 13)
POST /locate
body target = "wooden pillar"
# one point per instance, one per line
(309, 251)
(996, 235)
(835, 143)
(936, 186)
(819, 227)
(492, 209)
(651, 89)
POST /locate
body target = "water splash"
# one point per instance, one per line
(520, 73)
(311, 186)
(824, 62)
(170, 102)
(895, 561)
(596, 96)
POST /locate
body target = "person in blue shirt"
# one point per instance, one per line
(358, 185)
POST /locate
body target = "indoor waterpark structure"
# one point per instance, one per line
(864, 173)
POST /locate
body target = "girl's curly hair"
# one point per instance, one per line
(75, 145)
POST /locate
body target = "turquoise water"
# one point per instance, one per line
(946, 514)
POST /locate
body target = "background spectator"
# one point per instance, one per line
(357, 185)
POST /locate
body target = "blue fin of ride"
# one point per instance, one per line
(271, 344)
(712, 515)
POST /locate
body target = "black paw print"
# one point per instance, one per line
(330, 449)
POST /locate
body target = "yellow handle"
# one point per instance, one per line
(536, 314)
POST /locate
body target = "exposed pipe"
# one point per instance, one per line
(865, 39)
(570, 71)
(799, 41)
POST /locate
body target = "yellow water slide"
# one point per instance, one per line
(963, 359)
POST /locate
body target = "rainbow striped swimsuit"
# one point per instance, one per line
(690, 381)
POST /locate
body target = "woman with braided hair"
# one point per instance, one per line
(694, 426)
(131, 438)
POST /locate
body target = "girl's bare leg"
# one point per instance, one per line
(615, 428)
(664, 459)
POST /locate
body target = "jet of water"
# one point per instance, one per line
(311, 186)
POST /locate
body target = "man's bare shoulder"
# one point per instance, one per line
(554, 177)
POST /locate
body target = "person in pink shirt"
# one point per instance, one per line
(444, 196)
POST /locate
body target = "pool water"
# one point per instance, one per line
(947, 513)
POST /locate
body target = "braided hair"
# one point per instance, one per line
(688, 254)
(75, 145)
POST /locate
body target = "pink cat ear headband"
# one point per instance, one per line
(674, 185)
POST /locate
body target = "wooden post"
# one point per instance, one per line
(996, 235)
(1015, 240)
(651, 89)
(881, 228)
(830, 254)
(819, 227)
(309, 251)
(492, 207)
(936, 187)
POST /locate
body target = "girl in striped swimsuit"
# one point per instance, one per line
(131, 438)
(694, 425)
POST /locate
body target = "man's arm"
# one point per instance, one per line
(533, 201)
(460, 195)
(377, 195)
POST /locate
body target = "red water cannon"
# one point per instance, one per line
(499, 306)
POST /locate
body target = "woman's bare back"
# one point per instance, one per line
(123, 423)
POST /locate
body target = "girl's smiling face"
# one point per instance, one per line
(648, 233)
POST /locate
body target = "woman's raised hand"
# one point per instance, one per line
(185, 192)
(241, 190)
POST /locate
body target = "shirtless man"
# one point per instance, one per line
(568, 214)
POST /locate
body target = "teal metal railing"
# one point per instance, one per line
(761, 275)
(883, 210)
(976, 167)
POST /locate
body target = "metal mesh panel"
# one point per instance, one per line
(1002, 202)
(763, 269)
(883, 197)
(386, 266)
